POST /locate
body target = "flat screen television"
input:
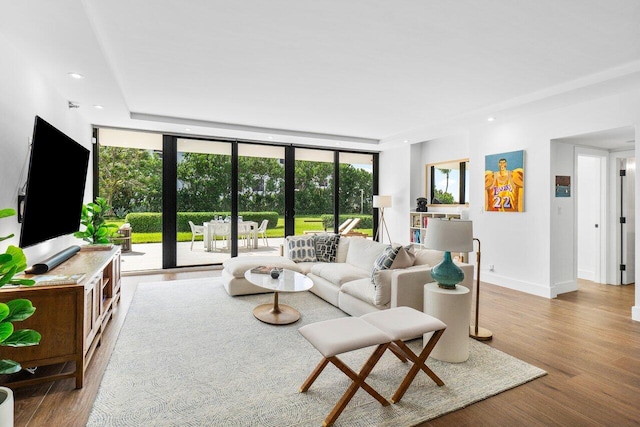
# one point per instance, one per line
(55, 187)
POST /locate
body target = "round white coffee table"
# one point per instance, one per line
(288, 281)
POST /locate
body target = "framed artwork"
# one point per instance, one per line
(563, 186)
(504, 182)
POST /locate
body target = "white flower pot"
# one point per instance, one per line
(6, 407)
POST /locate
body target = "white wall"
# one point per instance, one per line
(23, 95)
(532, 251)
(396, 180)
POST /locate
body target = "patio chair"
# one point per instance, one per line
(196, 230)
(262, 231)
(344, 224)
(350, 232)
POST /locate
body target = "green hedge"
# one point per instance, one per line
(151, 222)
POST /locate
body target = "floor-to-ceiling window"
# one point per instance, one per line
(356, 192)
(203, 202)
(314, 189)
(261, 198)
(130, 179)
(242, 197)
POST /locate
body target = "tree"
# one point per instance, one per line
(130, 179)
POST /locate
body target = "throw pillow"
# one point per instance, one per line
(399, 257)
(384, 260)
(301, 248)
(327, 247)
(405, 257)
(382, 287)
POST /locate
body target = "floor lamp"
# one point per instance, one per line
(476, 332)
(382, 202)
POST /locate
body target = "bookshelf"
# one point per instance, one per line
(419, 223)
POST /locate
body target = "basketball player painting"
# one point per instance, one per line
(504, 188)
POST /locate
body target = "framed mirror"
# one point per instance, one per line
(447, 183)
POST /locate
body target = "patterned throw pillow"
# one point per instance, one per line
(327, 247)
(384, 261)
(301, 248)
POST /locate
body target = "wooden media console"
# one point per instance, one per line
(70, 318)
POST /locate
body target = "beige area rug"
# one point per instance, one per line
(191, 355)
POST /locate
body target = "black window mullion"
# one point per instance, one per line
(169, 201)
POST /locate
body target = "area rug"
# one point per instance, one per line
(189, 354)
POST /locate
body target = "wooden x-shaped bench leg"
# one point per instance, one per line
(418, 364)
(357, 378)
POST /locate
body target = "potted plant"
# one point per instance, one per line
(97, 231)
(13, 261)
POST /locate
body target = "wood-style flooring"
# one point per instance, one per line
(585, 340)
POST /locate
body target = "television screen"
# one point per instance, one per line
(55, 185)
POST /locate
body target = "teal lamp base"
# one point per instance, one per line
(447, 274)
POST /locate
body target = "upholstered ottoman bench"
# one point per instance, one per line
(234, 269)
(383, 329)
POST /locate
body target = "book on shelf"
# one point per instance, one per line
(265, 269)
(56, 279)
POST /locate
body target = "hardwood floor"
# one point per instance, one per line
(585, 340)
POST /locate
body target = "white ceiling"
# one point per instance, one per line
(359, 73)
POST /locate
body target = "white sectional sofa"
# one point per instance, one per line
(347, 282)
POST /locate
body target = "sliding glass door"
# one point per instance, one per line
(314, 190)
(261, 198)
(203, 202)
(195, 202)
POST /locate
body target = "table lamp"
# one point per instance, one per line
(382, 202)
(448, 235)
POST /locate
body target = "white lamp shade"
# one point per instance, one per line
(449, 235)
(381, 201)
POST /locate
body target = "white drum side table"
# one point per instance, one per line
(453, 307)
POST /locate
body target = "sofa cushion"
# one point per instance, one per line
(360, 289)
(343, 248)
(381, 278)
(428, 257)
(301, 248)
(327, 247)
(338, 273)
(238, 265)
(362, 253)
(381, 287)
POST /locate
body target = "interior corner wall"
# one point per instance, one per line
(562, 211)
(25, 94)
(396, 181)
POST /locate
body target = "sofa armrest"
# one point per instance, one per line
(407, 285)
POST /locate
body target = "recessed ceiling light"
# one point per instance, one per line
(406, 141)
(98, 107)
(490, 119)
(337, 144)
(76, 76)
(269, 137)
(187, 129)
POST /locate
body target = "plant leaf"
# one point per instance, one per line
(9, 367)
(23, 338)
(6, 329)
(7, 212)
(19, 309)
(7, 275)
(4, 311)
